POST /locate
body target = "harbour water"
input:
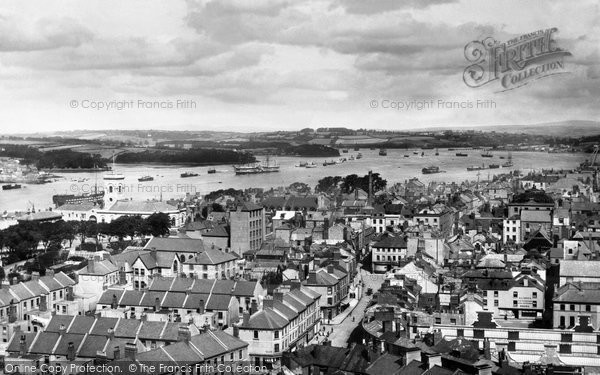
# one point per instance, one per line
(394, 168)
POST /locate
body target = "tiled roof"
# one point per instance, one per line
(211, 257)
(101, 268)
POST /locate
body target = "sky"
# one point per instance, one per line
(261, 65)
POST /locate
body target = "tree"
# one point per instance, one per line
(328, 184)
(158, 224)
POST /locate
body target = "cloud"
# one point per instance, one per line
(18, 35)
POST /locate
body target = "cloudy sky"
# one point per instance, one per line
(279, 64)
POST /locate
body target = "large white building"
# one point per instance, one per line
(117, 203)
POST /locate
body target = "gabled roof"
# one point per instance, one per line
(180, 245)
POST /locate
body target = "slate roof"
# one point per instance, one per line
(180, 245)
(391, 242)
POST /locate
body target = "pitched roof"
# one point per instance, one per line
(180, 245)
(142, 206)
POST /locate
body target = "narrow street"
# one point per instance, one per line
(341, 332)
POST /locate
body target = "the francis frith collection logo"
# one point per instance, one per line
(516, 62)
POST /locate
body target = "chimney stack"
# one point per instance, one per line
(110, 333)
(91, 267)
(312, 277)
(268, 302)
(157, 304)
(330, 268)
(432, 359)
(130, 351)
(35, 276)
(246, 319)
(201, 307)
(12, 312)
(114, 304)
(50, 272)
(253, 307)
(278, 296)
(23, 345)
(487, 352)
(43, 302)
(184, 334)
(71, 351)
(236, 331)
(62, 329)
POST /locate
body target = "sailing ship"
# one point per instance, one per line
(487, 154)
(494, 166)
(257, 168)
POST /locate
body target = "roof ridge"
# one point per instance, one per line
(218, 340)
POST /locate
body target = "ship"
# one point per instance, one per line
(494, 166)
(11, 186)
(509, 163)
(487, 154)
(358, 156)
(461, 154)
(326, 163)
(311, 165)
(146, 178)
(415, 153)
(188, 174)
(475, 168)
(257, 168)
(406, 156)
(383, 152)
(431, 170)
(212, 171)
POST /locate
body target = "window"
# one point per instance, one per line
(572, 307)
(534, 294)
(495, 293)
(276, 334)
(516, 294)
(255, 335)
(515, 303)
(588, 308)
(571, 321)
(562, 307)
(534, 304)
(276, 348)
(495, 303)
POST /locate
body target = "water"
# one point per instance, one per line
(394, 168)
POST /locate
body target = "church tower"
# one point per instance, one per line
(114, 187)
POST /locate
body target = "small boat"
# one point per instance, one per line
(11, 186)
(406, 156)
(461, 154)
(487, 154)
(422, 154)
(188, 174)
(501, 157)
(356, 148)
(311, 165)
(383, 152)
(345, 151)
(301, 164)
(212, 171)
(358, 156)
(326, 163)
(494, 166)
(351, 157)
(431, 170)
(415, 153)
(146, 178)
(436, 152)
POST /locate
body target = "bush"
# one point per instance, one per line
(90, 246)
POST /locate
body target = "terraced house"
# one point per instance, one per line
(287, 320)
